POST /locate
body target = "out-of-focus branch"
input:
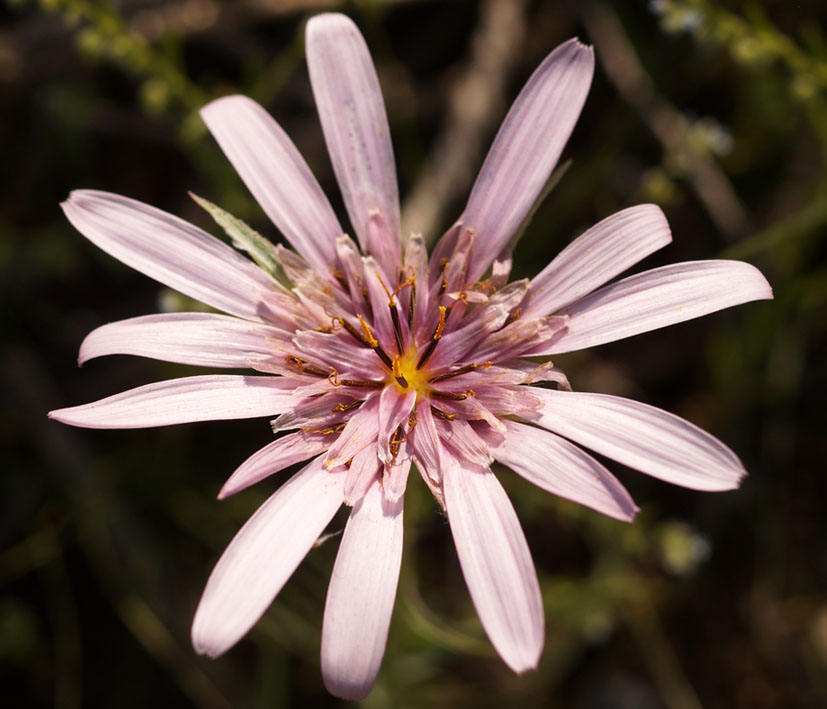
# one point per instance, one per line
(669, 125)
(472, 107)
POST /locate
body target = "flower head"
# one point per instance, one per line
(376, 356)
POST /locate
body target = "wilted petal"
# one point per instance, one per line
(561, 468)
(657, 298)
(278, 455)
(356, 131)
(497, 564)
(596, 256)
(526, 150)
(643, 437)
(361, 595)
(204, 339)
(263, 555)
(171, 251)
(277, 175)
(185, 400)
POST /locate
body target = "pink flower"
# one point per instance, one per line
(380, 357)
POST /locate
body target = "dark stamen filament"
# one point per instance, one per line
(450, 396)
(429, 350)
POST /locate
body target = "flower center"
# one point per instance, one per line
(408, 376)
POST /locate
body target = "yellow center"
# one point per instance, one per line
(417, 379)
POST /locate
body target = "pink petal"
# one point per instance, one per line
(277, 175)
(278, 455)
(262, 556)
(596, 256)
(526, 150)
(203, 339)
(363, 470)
(425, 443)
(361, 595)
(171, 251)
(655, 299)
(561, 468)
(497, 564)
(209, 397)
(359, 432)
(394, 408)
(356, 130)
(645, 438)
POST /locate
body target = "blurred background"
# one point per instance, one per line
(715, 111)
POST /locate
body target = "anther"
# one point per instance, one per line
(369, 338)
(327, 431)
(396, 369)
(429, 350)
(304, 367)
(450, 396)
(444, 415)
(356, 403)
(455, 373)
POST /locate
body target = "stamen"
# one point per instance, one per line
(462, 370)
(333, 377)
(512, 317)
(397, 330)
(361, 383)
(353, 331)
(429, 350)
(450, 396)
(412, 307)
(355, 404)
(397, 439)
(412, 420)
(444, 415)
(300, 365)
(327, 431)
(369, 338)
(397, 373)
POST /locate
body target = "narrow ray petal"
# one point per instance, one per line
(204, 339)
(171, 251)
(657, 298)
(560, 467)
(356, 131)
(425, 443)
(596, 256)
(497, 564)
(201, 398)
(361, 595)
(643, 437)
(359, 432)
(526, 149)
(278, 455)
(263, 555)
(363, 470)
(277, 175)
(394, 407)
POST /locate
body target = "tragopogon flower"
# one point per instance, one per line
(381, 357)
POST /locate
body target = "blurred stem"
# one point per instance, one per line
(643, 622)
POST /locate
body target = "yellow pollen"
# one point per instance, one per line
(372, 341)
(442, 311)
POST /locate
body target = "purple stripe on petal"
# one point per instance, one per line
(641, 436)
(561, 468)
(171, 251)
(185, 400)
(657, 298)
(263, 555)
(361, 596)
(277, 175)
(526, 150)
(496, 563)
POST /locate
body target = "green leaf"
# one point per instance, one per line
(244, 238)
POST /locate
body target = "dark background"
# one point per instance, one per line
(715, 111)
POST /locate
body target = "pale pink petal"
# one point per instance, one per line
(526, 150)
(278, 455)
(497, 564)
(263, 555)
(363, 470)
(171, 251)
(356, 131)
(561, 468)
(597, 256)
(209, 397)
(394, 408)
(657, 298)
(359, 432)
(464, 442)
(395, 478)
(204, 339)
(645, 438)
(360, 598)
(425, 443)
(277, 175)
(339, 350)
